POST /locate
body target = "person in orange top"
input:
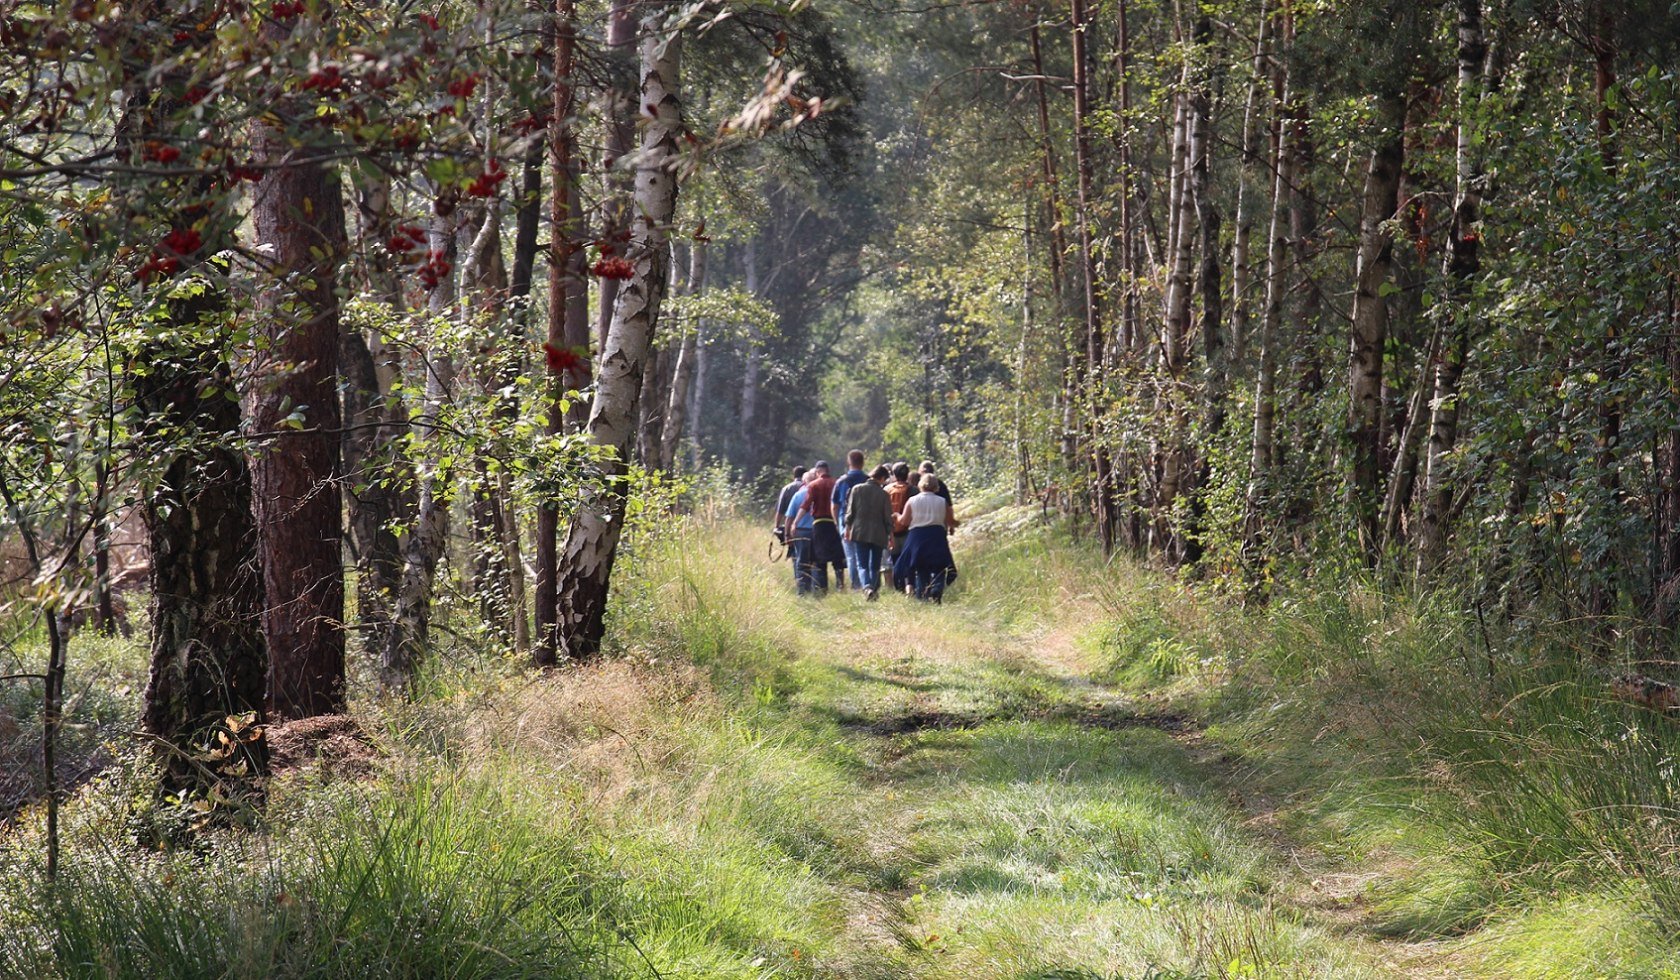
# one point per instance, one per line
(898, 492)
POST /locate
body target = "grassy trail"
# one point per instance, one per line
(1016, 817)
(1011, 786)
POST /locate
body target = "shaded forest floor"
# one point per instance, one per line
(1066, 771)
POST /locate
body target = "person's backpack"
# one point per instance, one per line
(899, 493)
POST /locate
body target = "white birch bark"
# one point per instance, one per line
(1247, 175)
(592, 544)
(682, 379)
(1462, 263)
(425, 545)
(1262, 456)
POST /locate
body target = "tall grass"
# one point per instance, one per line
(1491, 762)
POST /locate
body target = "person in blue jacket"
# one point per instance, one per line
(842, 489)
(800, 524)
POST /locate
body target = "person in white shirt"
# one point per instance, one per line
(925, 564)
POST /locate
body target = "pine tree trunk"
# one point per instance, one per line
(592, 544)
(209, 657)
(1208, 221)
(298, 213)
(1667, 592)
(1601, 596)
(1096, 345)
(568, 339)
(1068, 396)
(1216, 367)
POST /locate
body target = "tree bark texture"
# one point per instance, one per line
(1372, 269)
(1249, 175)
(425, 545)
(1262, 457)
(1463, 264)
(208, 657)
(378, 483)
(567, 341)
(1096, 346)
(592, 544)
(676, 411)
(1402, 474)
(298, 213)
(620, 106)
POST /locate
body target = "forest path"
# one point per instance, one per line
(1024, 818)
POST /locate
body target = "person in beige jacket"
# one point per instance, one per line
(869, 527)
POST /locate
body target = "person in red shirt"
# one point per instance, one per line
(826, 546)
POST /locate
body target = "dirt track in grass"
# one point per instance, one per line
(1029, 818)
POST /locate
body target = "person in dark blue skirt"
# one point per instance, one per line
(925, 564)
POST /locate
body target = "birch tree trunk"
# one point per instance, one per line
(425, 545)
(697, 396)
(592, 544)
(1262, 456)
(377, 491)
(1189, 133)
(751, 371)
(650, 425)
(1249, 174)
(497, 582)
(298, 213)
(1402, 475)
(1463, 263)
(1372, 268)
(527, 222)
(676, 411)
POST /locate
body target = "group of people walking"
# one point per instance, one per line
(891, 525)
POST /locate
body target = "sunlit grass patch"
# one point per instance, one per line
(1600, 934)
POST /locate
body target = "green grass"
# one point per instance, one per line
(1070, 769)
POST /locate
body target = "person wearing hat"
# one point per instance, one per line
(826, 548)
